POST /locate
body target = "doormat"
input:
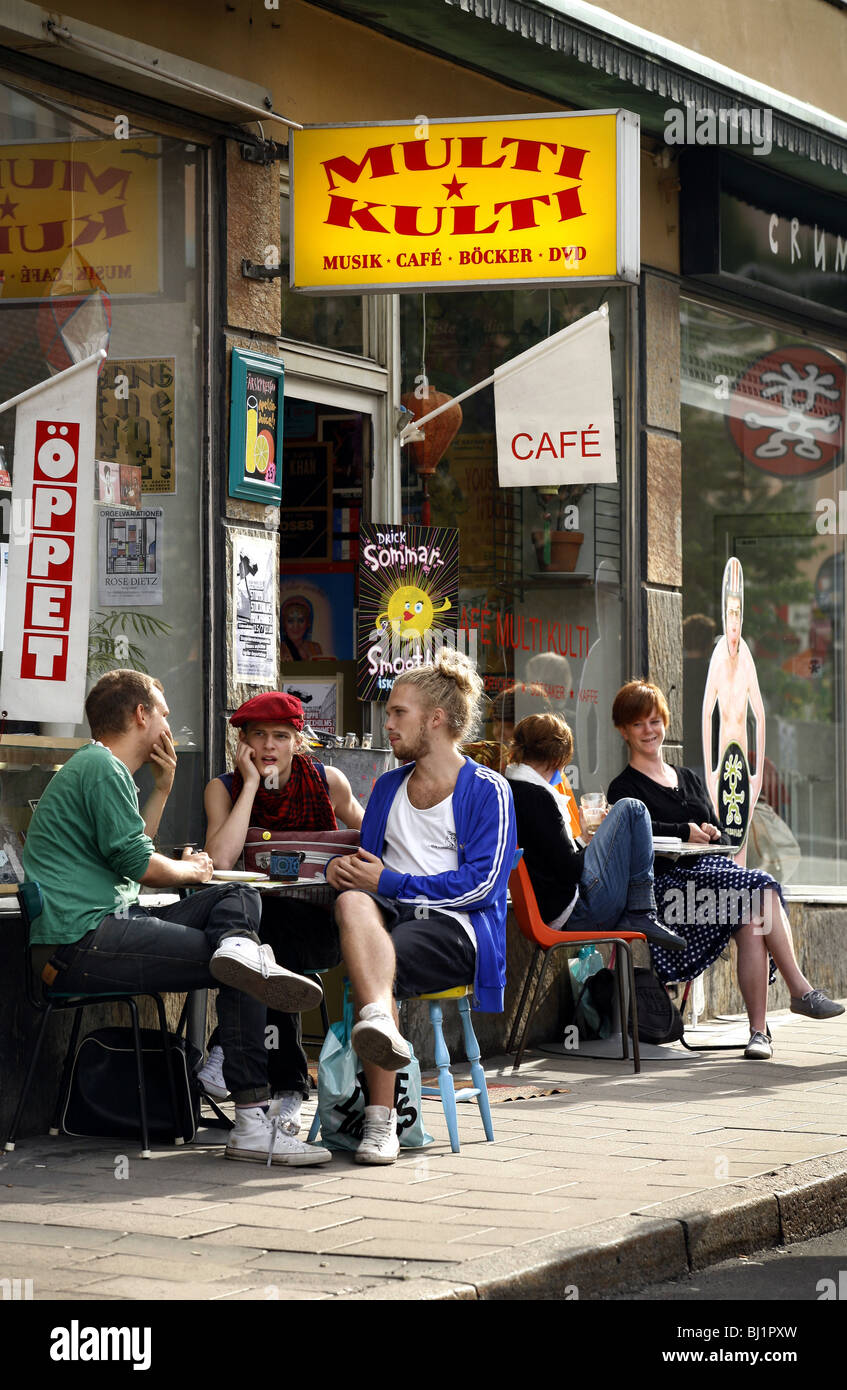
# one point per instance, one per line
(500, 1092)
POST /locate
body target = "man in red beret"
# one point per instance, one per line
(277, 786)
(93, 936)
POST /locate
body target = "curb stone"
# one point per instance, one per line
(806, 1200)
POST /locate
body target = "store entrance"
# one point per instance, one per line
(327, 458)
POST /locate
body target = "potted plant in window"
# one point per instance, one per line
(557, 542)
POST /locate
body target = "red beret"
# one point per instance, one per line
(274, 706)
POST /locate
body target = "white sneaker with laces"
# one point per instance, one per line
(759, 1048)
(376, 1039)
(259, 1138)
(247, 966)
(379, 1143)
(211, 1075)
(286, 1107)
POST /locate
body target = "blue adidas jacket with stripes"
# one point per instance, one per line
(486, 835)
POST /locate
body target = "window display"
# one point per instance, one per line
(763, 466)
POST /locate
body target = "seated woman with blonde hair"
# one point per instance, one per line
(606, 880)
(746, 904)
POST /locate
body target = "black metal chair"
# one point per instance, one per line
(48, 1001)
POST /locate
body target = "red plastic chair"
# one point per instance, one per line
(547, 941)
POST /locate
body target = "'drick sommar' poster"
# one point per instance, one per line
(408, 600)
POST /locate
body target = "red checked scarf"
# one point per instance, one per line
(302, 804)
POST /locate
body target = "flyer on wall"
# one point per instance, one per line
(130, 557)
(408, 598)
(254, 618)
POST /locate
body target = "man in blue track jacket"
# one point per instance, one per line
(422, 904)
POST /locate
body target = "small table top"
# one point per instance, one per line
(671, 848)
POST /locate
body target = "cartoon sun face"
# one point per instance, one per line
(410, 612)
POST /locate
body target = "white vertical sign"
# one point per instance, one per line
(45, 655)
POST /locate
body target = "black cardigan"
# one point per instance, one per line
(671, 810)
(554, 864)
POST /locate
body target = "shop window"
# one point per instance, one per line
(100, 247)
(763, 471)
(330, 321)
(543, 613)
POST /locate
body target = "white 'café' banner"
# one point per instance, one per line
(45, 653)
(553, 403)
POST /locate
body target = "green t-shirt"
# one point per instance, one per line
(86, 845)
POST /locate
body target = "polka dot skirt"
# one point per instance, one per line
(706, 899)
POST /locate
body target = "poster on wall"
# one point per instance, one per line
(408, 597)
(316, 616)
(321, 700)
(4, 577)
(255, 427)
(253, 616)
(135, 419)
(130, 557)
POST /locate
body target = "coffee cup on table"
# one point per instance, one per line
(594, 807)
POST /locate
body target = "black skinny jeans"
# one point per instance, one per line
(170, 948)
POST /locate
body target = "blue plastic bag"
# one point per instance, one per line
(342, 1091)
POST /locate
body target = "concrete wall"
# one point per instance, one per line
(800, 48)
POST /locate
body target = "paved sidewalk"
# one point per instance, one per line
(621, 1180)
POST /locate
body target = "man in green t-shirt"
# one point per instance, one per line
(90, 848)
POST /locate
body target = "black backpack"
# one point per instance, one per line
(659, 1020)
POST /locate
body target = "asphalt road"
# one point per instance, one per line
(815, 1270)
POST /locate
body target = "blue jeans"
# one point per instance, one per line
(617, 870)
(170, 950)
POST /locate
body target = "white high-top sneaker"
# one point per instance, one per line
(211, 1075)
(258, 1137)
(375, 1038)
(247, 966)
(379, 1143)
(286, 1106)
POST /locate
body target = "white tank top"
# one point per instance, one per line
(423, 843)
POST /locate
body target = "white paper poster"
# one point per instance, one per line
(253, 609)
(130, 557)
(45, 654)
(4, 582)
(554, 409)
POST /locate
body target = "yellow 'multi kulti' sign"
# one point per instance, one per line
(455, 204)
(76, 212)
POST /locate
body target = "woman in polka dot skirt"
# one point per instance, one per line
(746, 904)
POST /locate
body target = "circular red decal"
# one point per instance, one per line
(787, 411)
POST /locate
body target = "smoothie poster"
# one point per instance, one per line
(408, 600)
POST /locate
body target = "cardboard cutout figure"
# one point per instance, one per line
(732, 685)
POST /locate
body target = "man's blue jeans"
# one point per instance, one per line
(617, 870)
(170, 949)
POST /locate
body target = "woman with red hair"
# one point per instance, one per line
(731, 901)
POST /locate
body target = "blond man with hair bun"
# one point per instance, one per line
(422, 904)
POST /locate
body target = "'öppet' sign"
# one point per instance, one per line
(46, 636)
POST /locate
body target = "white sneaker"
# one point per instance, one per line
(286, 1107)
(258, 1137)
(376, 1039)
(380, 1143)
(211, 1075)
(247, 966)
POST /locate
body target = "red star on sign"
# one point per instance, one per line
(454, 189)
(7, 208)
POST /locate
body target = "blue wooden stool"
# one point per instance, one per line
(446, 1088)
